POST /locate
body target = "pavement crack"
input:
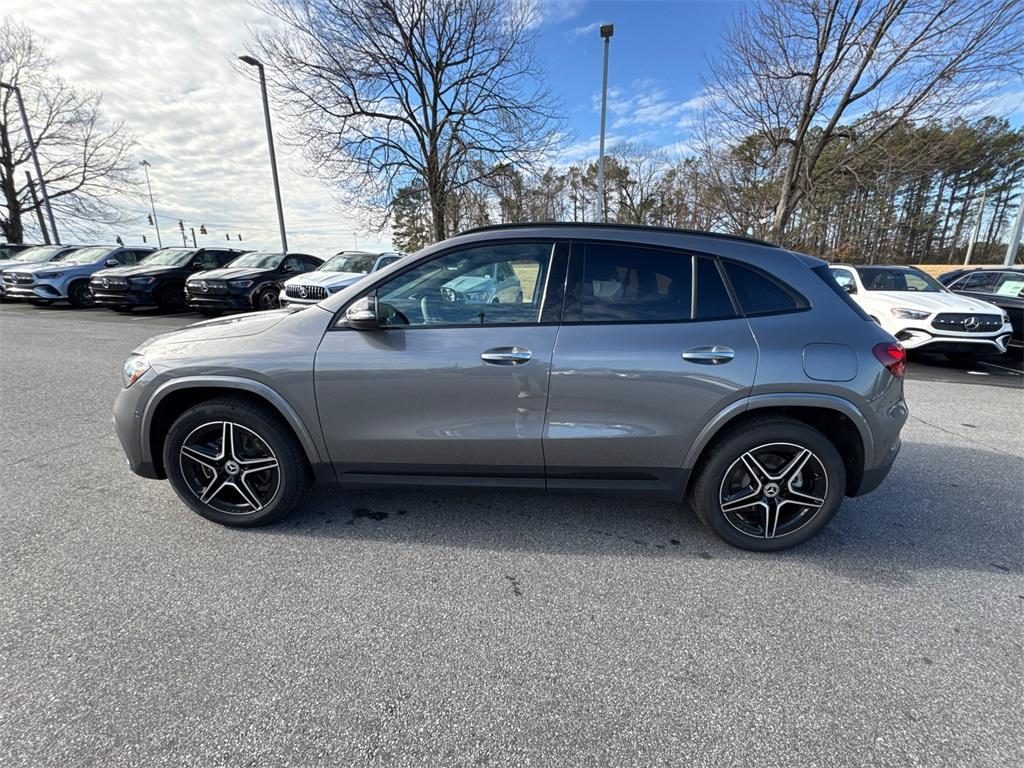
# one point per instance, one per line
(965, 437)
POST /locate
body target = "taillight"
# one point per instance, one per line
(893, 356)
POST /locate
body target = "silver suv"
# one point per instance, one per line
(726, 372)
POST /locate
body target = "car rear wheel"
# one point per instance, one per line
(769, 484)
(268, 298)
(80, 294)
(235, 462)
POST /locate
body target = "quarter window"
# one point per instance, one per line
(713, 302)
(465, 287)
(627, 284)
(759, 294)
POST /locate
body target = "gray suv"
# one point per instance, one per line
(722, 371)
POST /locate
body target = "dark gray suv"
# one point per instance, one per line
(680, 365)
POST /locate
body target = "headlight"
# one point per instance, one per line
(142, 280)
(909, 314)
(49, 275)
(476, 296)
(241, 283)
(134, 369)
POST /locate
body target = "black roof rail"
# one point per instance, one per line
(642, 227)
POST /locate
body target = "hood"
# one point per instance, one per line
(55, 266)
(328, 279)
(221, 328)
(230, 273)
(138, 269)
(468, 283)
(935, 302)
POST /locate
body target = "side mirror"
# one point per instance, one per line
(112, 263)
(850, 288)
(362, 314)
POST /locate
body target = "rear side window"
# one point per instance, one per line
(979, 282)
(759, 294)
(627, 284)
(712, 302)
(830, 278)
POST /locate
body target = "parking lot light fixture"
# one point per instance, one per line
(607, 30)
(35, 158)
(254, 62)
(152, 205)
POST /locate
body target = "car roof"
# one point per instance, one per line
(598, 227)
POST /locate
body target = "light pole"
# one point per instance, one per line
(152, 205)
(606, 34)
(254, 62)
(35, 158)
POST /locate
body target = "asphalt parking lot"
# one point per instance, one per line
(478, 628)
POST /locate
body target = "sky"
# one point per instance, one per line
(168, 69)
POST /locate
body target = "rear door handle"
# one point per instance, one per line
(714, 355)
(507, 356)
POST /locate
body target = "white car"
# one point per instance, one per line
(922, 313)
(339, 271)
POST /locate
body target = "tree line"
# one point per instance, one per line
(914, 198)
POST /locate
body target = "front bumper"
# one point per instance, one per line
(219, 300)
(122, 298)
(128, 427)
(47, 291)
(958, 343)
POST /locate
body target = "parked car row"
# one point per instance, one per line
(208, 280)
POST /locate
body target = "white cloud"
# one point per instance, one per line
(647, 105)
(167, 70)
(583, 31)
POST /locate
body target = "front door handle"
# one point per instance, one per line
(507, 356)
(715, 355)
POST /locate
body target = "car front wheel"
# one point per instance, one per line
(235, 462)
(80, 295)
(769, 484)
(268, 298)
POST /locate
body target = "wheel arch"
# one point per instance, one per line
(838, 419)
(173, 398)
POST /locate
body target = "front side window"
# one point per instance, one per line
(461, 288)
(1010, 284)
(207, 260)
(979, 282)
(759, 294)
(629, 284)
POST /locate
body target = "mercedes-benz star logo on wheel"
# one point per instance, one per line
(971, 323)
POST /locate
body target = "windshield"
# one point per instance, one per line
(350, 262)
(896, 279)
(84, 255)
(258, 260)
(169, 257)
(39, 253)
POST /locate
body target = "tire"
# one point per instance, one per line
(80, 294)
(171, 298)
(765, 525)
(259, 435)
(267, 298)
(205, 312)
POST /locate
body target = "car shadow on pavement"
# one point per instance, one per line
(941, 508)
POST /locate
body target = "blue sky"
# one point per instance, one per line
(654, 76)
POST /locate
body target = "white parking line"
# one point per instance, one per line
(997, 365)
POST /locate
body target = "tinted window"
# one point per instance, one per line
(712, 296)
(226, 257)
(759, 294)
(460, 288)
(295, 264)
(829, 277)
(207, 260)
(982, 282)
(626, 284)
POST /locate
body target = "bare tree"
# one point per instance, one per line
(792, 70)
(85, 161)
(390, 91)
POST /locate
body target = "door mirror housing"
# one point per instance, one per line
(362, 314)
(850, 288)
(112, 263)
